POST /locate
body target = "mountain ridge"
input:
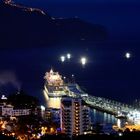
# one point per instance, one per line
(30, 27)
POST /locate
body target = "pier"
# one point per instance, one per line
(107, 105)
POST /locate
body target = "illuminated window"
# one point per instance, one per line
(76, 114)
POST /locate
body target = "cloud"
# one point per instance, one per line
(9, 77)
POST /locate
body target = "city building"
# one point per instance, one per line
(7, 110)
(75, 119)
(21, 112)
(52, 114)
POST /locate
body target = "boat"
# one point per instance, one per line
(54, 85)
(55, 88)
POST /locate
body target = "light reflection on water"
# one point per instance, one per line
(106, 120)
(101, 117)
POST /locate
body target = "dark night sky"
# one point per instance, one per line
(108, 73)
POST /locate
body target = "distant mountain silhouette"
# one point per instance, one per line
(21, 27)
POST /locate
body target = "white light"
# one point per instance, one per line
(119, 123)
(72, 75)
(127, 55)
(85, 133)
(3, 97)
(69, 56)
(42, 108)
(62, 58)
(83, 60)
(120, 134)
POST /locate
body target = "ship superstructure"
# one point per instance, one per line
(54, 85)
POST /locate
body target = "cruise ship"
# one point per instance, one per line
(54, 84)
(55, 88)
